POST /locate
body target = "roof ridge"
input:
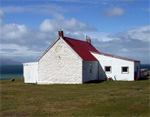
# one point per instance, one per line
(75, 39)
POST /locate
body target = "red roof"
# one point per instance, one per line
(116, 56)
(82, 48)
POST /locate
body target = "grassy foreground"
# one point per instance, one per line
(109, 98)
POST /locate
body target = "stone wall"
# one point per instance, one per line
(60, 65)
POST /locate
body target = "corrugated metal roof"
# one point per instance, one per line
(82, 48)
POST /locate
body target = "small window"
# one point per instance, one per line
(90, 68)
(107, 68)
(125, 70)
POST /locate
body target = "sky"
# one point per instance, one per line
(117, 27)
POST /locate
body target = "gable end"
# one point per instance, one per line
(49, 48)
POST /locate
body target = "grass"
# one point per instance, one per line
(148, 76)
(108, 98)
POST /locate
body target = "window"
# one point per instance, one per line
(125, 70)
(108, 69)
(90, 68)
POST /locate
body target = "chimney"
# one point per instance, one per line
(60, 33)
(88, 40)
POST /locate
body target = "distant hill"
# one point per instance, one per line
(4, 61)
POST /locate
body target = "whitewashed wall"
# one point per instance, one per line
(137, 64)
(30, 72)
(90, 70)
(116, 65)
(60, 65)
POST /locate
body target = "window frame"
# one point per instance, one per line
(108, 71)
(127, 72)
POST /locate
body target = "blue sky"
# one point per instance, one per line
(119, 27)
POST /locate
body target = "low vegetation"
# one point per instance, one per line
(148, 76)
(109, 98)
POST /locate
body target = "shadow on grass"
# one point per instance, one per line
(100, 81)
(143, 79)
(95, 81)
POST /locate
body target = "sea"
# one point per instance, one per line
(16, 71)
(11, 71)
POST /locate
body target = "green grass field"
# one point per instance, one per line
(109, 98)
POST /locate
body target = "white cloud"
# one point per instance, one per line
(76, 35)
(101, 36)
(113, 12)
(141, 33)
(133, 43)
(51, 25)
(19, 40)
(13, 31)
(19, 51)
(23, 36)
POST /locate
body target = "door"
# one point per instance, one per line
(135, 76)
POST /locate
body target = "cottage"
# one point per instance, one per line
(71, 61)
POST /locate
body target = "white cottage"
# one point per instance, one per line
(71, 61)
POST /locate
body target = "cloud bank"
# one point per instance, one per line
(140, 33)
(19, 41)
(25, 44)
